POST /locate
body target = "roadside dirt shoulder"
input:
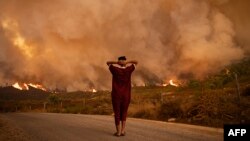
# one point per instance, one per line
(10, 132)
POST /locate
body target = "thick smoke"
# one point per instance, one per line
(65, 44)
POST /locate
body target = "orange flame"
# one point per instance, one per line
(172, 83)
(37, 86)
(25, 86)
(94, 90)
(20, 87)
(164, 85)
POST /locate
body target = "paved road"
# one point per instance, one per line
(77, 127)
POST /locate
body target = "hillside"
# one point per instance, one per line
(11, 93)
(214, 101)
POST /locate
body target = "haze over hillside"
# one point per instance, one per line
(65, 44)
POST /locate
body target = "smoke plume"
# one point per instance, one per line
(65, 44)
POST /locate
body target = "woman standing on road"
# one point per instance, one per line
(121, 90)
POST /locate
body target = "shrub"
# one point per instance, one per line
(170, 109)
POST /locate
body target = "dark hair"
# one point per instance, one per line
(122, 58)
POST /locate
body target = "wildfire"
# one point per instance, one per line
(164, 85)
(21, 87)
(94, 90)
(37, 86)
(25, 86)
(171, 82)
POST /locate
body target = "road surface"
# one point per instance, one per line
(78, 127)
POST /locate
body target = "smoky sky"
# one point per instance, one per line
(65, 44)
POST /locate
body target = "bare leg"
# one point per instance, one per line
(118, 130)
(123, 127)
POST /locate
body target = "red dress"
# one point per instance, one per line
(121, 91)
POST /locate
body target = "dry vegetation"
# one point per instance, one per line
(214, 101)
